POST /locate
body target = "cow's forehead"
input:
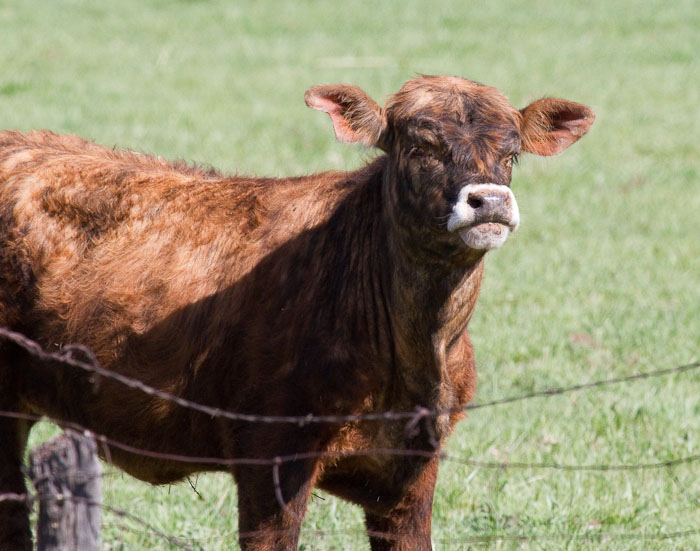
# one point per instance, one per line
(451, 99)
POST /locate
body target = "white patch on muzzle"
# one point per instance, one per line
(486, 226)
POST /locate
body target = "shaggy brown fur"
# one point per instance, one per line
(336, 293)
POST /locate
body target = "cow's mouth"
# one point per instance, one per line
(484, 215)
(485, 236)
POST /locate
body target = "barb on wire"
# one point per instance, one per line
(66, 356)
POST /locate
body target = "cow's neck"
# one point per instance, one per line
(430, 301)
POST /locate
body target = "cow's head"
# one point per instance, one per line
(452, 144)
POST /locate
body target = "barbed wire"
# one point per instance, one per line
(11, 496)
(83, 476)
(145, 533)
(277, 461)
(414, 417)
(405, 452)
(591, 533)
(66, 356)
(585, 386)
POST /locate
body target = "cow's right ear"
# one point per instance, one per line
(356, 117)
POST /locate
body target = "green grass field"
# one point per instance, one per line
(602, 279)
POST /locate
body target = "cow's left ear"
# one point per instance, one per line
(356, 117)
(550, 125)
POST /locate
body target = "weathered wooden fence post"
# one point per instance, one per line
(68, 479)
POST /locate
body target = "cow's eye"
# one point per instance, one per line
(511, 160)
(416, 152)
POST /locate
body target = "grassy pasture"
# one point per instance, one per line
(602, 279)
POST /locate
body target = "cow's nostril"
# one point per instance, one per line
(486, 200)
(475, 201)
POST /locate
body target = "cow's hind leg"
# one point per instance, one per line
(15, 534)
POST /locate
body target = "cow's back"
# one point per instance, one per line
(117, 241)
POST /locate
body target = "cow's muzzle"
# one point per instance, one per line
(484, 215)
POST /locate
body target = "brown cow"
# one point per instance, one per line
(337, 293)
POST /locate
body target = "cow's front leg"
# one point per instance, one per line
(272, 504)
(405, 526)
(272, 496)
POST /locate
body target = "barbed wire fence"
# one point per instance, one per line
(81, 357)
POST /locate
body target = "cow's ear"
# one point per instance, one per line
(356, 117)
(549, 125)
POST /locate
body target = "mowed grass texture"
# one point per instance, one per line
(602, 280)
